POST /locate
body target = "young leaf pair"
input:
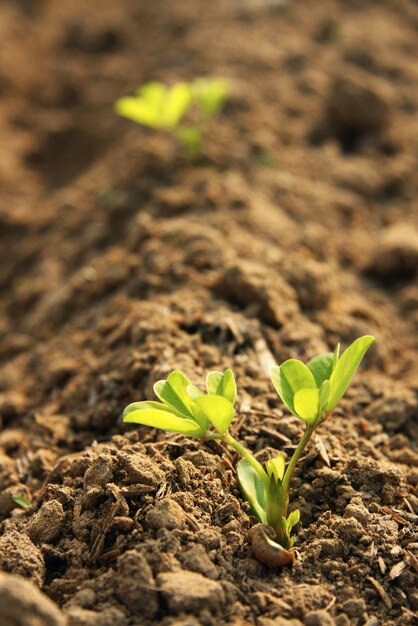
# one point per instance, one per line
(184, 409)
(313, 390)
(310, 391)
(160, 107)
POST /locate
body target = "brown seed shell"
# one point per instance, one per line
(268, 551)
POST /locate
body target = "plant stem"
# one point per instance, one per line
(292, 463)
(246, 454)
(282, 505)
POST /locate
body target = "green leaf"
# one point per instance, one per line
(146, 107)
(306, 402)
(276, 467)
(193, 392)
(335, 356)
(138, 111)
(290, 377)
(21, 501)
(176, 103)
(190, 137)
(274, 502)
(345, 369)
(324, 395)
(151, 404)
(222, 384)
(292, 519)
(212, 381)
(227, 387)
(156, 105)
(173, 392)
(321, 367)
(218, 410)
(210, 94)
(154, 93)
(252, 488)
(165, 420)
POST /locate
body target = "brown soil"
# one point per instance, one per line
(120, 261)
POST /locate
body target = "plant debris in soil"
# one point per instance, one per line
(121, 260)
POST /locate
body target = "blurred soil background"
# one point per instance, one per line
(121, 260)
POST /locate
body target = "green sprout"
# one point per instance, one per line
(182, 110)
(311, 392)
(25, 504)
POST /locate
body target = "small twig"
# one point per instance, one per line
(409, 505)
(330, 604)
(397, 569)
(413, 559)
(273, 434)
(395, 516)
(382, 564)
(322, 450)
(382, 593)
(264, 356)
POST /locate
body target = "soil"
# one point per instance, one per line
(121, 260)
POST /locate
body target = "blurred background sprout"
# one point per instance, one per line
(182, 110)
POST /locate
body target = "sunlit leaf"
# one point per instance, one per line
(324, 395)
(138, 111)
(156, 105)
(306, 402)
(175, 104)
(252, 488)
(164, 421)
(335, 356)
(193, 392)
(151, 404)
(276, 466)
(345, 369)
(173, 392)
(154, 93)
(321, 367)
(292, 519)
(228, 387)
(222, 384)
(218, 411)
(210, 95)
(290, 377)
(212, 381)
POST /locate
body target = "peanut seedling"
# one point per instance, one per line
(182, 110)
(311, 392)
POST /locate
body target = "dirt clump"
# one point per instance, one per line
(21, 604)
(47, 524)
(166, 514)
(20, 556)
(188, 591)
(358, 102)
(395, 255)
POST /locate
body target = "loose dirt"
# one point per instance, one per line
(121, 260)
